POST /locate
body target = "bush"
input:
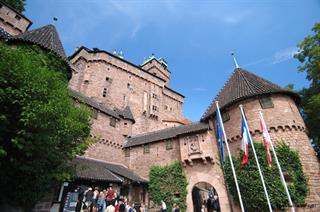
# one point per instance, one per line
(251, 188)
(168, 183)
(40, 129)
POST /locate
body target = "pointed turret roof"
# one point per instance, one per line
(243, 85)
(46, 37)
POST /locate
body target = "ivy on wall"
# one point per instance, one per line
(168, 183)
(251, 188)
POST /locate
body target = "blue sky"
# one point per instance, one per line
(195, 37)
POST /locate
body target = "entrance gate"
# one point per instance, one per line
(204, 195)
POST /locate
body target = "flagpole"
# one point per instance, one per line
(255, 156)
(230, 158)
(278, 165)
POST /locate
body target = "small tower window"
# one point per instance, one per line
(266, 102)
(146, 148)
(108, 79)
(127, 152)
(17, 17)
(169, 144)
(113, 122)
(154, 108)
(104, 94)
(225, 116)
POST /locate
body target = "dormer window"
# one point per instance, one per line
(266, 102)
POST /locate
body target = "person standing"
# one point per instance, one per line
(111, 208)
(163, 206)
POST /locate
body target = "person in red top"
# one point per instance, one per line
(110, 196)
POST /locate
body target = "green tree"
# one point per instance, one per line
(251, 187)
(168, 183)
(16, 4)
(309, 56)
(40, 128)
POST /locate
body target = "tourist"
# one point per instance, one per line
(122, 206)
(143, 208)
(101, 203)
(203, 208)
(111, 208)
(95, 198)
(110, 196)
(89, 198)
(177, 209)
(163, 206)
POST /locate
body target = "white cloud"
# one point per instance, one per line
(284, 55)
(199, 89)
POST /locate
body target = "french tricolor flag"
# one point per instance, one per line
(245, 141)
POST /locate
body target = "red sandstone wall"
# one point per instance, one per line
(141, 162)
(126, 86)
(10, 23)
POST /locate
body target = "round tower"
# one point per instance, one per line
(285, 124)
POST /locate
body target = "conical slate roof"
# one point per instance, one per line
(46, 37)
(243, 85)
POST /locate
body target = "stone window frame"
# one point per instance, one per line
(113, 122)
(127, 152)
(266, 102)
(155, 108)
(18, 17)
(225, 116)
(104, 93)
(146, 148)
(169, 144)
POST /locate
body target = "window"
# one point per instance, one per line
(129, 86)
(146, 148)
(104, 94)
(94, 114)
(108, 79)
(155, 96)
(127, 152)
(125, 123)
(17, 17)
(113, 122)
(154, 108)
(225, 116)
(166, 107)
(266, 102)
(145, 101)
(169, 144)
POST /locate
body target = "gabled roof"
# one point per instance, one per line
(116, 113)
(126, 113)
(46, 37)
(165, 134)
(243, 85)
(92, 169)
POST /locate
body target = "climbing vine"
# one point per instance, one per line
(251, 187)
(168, 183)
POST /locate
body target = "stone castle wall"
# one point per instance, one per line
(115, 83)
(285, 125)
(12, 22)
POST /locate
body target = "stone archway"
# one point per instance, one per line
(205, 195)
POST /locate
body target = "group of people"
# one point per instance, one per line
(107, 200)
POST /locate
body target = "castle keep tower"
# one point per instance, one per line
(282, 116)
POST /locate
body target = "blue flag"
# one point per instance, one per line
(219, 136)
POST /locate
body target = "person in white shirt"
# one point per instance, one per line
(163, 206)
(110, 208)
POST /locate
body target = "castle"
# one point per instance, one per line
(139, 119)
